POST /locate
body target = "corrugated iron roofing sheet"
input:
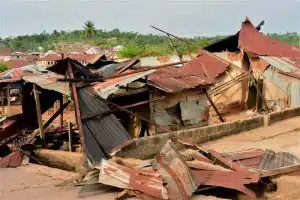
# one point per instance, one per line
(19, 72)
(250, 39)
(200, 71)
(48, 82)
(280, 63)
(101, 134)
(104, 89)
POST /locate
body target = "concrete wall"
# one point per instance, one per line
(148, 147)
(179, 110)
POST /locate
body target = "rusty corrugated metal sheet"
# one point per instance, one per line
(272, 160)
(104, 89)
(250, 39)
(12, 160)
(200, 71)
(123, 177)
(49, 82)
(280, 63)
(101, 134)
(180, 182)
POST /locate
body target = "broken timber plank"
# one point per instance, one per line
(39, 112)
(214, 107)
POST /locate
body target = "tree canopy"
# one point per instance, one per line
(89, 29)
(133, 42)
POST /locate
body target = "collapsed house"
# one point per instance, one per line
(264, 64)
(185, 103)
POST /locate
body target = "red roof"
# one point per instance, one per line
(200, 71)
(250, 39)
(78, 57)
(51, 57)
(17, 63)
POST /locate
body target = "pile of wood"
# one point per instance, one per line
(174, 174)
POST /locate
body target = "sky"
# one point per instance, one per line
(181, 17)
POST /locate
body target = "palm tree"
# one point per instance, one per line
(89, 29)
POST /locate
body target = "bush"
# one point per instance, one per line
(3, 67)
(131, 50)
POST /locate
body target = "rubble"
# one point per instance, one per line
(113, 102)
(171, 175)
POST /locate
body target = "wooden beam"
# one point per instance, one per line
(173, 45)
(61, 103)
(39, 112)
(8, 102)
(213, 105)
(52, 118)
(70, 136)
(132, 114)
(90, 116)
(77, 110)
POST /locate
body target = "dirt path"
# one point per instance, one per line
(36, 182)
(281, 136)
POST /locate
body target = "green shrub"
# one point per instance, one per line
(131, 50)
(3, 67)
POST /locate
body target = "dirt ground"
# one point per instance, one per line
(281, 136)
(34, 182)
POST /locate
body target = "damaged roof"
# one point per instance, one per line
(104, 89)
(101, 134)
(201, 71)
(48, 82)
(250, 39)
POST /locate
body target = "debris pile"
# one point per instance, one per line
(175, 174)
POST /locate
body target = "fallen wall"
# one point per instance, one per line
(148, 147)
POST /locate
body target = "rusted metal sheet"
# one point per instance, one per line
(227, 179)
(200, 71)
(123, 177)
(110, 86)
(12, 160)
(180, 182)
(199, 165)
(101, 135)
(48, 82)
(273, 160)
(250, 39)
(237, 156)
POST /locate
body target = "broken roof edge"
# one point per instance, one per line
(112, 87)
(157, 86)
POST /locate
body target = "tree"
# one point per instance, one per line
(89, 29)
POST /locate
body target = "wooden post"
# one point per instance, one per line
(8, 102)
(2, 102)
(213, 105)
(172, 44)
(258, 97)
(77, 110)
(61, 103)
(39, 112)
(52, 118)
(70, 136)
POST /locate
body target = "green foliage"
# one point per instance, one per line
(134, 43)
(89, 29)
(3, 67)
(131, 50)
